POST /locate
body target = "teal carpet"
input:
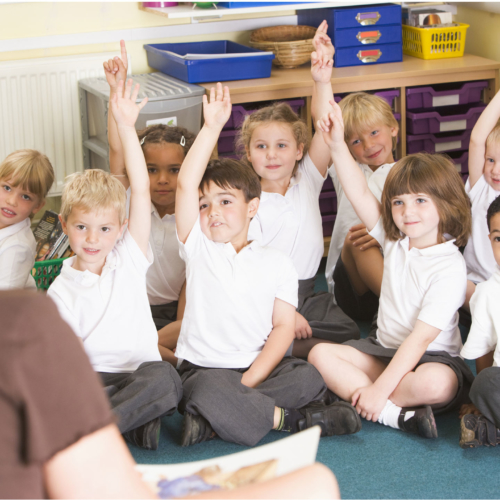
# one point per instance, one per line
(377, 462)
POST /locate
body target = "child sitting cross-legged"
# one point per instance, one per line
(101, 292)
(26, 176)
(482, 427)
(413, 365)
(240, 309)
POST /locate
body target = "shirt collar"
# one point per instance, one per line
(15, 228)
(166, 217)
(446, 248)
(88, 278)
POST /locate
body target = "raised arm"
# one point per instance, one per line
(216, 112)
(477, 147)
(125, 112)
(321, 72)
(116, 70)
(350, 175)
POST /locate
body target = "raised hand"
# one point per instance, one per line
(116, 69)
(322, 57)
(218, 110)
(123, 106)
(331, 125)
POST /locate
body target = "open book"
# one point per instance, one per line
(231, 471)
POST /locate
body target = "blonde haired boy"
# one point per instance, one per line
(25, 179)
(101, 292)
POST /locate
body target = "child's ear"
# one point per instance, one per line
(63, 225)
(253, 206)
(40, 206)
(247, 152)
(300, 152)
(394, 131)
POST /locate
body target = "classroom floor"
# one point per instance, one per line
(377, 462)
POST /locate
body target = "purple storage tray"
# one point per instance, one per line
(231, 155)
(328, 185)
(446, 120)
(388, 95)
(444, 95)
(328, 203)
(449, 141)
(226, 141)
(328, 222)
(239, 112)
(461, 161)
(464, 178)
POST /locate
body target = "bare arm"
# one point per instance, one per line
(116, 70)
(350, 176)
(125, 112)
(187, 207)
(277, 343)
(321, 72)
(97, 466)
(477, 147)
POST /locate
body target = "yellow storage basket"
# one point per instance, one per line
(434, 43)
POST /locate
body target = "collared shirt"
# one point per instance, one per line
(230, 300)
(346, 216)
(483, 335)
(110, 312)
(420, 284)
(167, 273)
(17, 256)
(478, 253)
(292, 223)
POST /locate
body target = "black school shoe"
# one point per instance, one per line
(335, 419)
(328, 398)
(477, 430)
(146, 436)
(421, 422)
(195, 429)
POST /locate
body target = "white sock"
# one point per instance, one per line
(389, 415)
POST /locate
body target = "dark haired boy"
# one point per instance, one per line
(240, 313)
(477, 429)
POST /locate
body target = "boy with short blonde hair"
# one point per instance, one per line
(26, 177)
(101, 292)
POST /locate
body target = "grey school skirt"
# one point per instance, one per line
(371, 346)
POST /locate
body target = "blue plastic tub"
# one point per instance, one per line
(209, 70)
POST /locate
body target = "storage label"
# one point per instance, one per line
(448, 146)
(453, 125)
(171, 121)
(445, 100)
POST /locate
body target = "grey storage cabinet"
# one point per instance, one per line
(171, 101)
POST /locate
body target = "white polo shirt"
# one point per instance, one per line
(17, 256)
(483, 335)
(427, 284)
(110, 312)
(478, 253)
(167, 273)
(230, 300)
(346, 216)
(292, 223)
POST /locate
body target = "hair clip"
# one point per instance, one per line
(183, 141)
(142, 140)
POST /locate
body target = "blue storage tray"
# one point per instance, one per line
(208, 70)
(389, 52)
(366, 36)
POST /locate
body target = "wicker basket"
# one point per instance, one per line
(292, 45)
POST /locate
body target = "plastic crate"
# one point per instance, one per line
(446, 119)
(46, 271)
(387, 95)
(328, 223)
(225, 144)
(167, 57)
(434, 43)
(440, 143)
(449, 94)
(328, 203)
(461, 161)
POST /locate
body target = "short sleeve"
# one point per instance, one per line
(378, 232)
(311, 174)
(443, 299)
(288, 282)
(50, 378)
(16, 263)
(482, 337)
(136, 256)
(478, 191)
(193, 242)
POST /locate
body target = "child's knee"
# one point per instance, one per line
(440, 387)
(320, 355)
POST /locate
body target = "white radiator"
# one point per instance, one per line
(40, 109)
